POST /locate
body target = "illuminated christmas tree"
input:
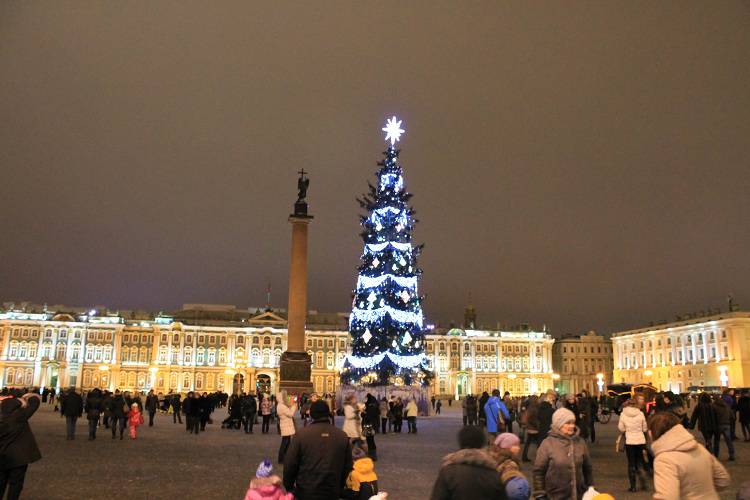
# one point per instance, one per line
(386, 321)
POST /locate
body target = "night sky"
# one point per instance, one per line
(583, 165)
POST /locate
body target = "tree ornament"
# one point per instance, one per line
(407, 339)
(367, 336)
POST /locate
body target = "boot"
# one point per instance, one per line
(642, 483)
(631, 477)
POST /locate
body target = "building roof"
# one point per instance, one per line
(692, 321)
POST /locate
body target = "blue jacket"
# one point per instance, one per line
(491, 410)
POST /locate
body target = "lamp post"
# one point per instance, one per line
(555, 378)
(723, 377)
(600, 382)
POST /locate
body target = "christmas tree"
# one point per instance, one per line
(386, 320)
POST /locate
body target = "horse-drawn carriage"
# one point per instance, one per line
(617, 394)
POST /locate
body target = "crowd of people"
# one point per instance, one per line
(323, 461)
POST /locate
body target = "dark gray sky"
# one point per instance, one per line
(583, 165)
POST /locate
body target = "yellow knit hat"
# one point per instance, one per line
(604, 496)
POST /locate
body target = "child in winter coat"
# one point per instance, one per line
(135, 418)
(362, 483)
(506, 449)
(266, 485)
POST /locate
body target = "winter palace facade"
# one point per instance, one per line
(209, 348)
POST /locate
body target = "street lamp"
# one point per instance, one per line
(600, 382)
(723, 377)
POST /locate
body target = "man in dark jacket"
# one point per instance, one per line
(176, 408)
(544, 417)
(249, 409)
(483, 401)
(71, 409)
(319, 458)
(17, 444)
(470, 473)
(119, 410)
(152, 404)
(723, 422)
(93, 411)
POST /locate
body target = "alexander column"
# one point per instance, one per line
(295, 363)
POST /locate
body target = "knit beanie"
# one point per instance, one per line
(507, 440)
(517, 488)
(603, 496)
(319, 410)
(561, 417)
(264, 469)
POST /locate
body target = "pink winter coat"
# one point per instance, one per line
(267, 488)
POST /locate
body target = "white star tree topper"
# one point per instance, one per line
(393, 130)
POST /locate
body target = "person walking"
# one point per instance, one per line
(152, 404)
(135, 419)
(352, 419)
(265, 413)
(480, 408)
(683, 469)
(398, 415)
(119, 410)
(206, 407)
(723, 427)
(633, 424)
(18, 447)
(496, 415)
(385, 411)
(285, 410)
(544, 416)
(464, 410)
(106, 413)
(531, 418)
(506, 450)
(94, 406)
(731, 400)
(71, 408)
(370, 425)
(249, 410)
(193, 413)
(411, 415)
(743, 411)
(562, 467)
(704, 416)
(176, 404)
(469, 473)
(472, 407)
(438, 406)
(319, 458)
